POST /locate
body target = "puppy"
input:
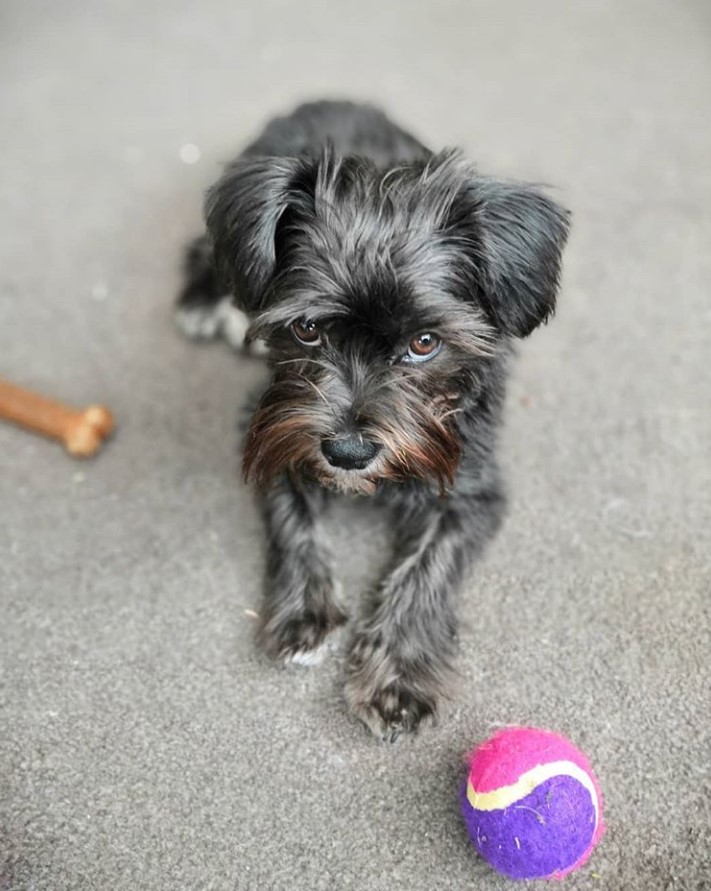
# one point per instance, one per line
(388, 284)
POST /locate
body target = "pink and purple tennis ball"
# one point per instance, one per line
(531, 804)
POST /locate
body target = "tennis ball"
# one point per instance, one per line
(531, 804)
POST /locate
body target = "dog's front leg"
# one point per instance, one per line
(402, 654)
(299, 607)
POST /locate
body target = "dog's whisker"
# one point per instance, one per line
(318, 391)
(301, 361)
(449, 414)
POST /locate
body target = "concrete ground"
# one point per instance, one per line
(144, 743)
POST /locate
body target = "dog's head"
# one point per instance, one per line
(381, 293)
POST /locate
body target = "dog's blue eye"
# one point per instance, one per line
(422, 348)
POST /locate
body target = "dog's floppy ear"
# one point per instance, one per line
(242, 212)
(520, 235)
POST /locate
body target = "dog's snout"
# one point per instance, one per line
(350, 452)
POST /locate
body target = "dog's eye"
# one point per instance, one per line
(423, 347)
(306, 332)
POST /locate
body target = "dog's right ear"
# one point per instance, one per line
(242, 212)
(520, 236)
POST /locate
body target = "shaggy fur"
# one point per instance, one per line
(344, 240)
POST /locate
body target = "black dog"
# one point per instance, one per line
(388, 283)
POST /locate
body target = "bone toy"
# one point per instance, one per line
(81, 432)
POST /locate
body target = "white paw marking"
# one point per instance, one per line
(200, 323)
(233, 324)
(259, 349)
(307, 658)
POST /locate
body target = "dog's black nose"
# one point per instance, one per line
(351, 452)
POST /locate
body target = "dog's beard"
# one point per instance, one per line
(416, 431)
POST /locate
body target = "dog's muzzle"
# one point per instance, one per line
(349, 452)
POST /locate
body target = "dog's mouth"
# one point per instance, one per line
(416, 440)
(350, 481)
(430, 460)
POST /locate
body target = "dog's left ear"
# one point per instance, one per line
(519, 239)
(242, 212)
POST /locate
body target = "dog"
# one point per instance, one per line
(389, 284)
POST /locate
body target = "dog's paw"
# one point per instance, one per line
(389, 712)
(207, 322)
(302, 638)
(389, 696)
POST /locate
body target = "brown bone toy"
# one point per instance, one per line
(82, 432)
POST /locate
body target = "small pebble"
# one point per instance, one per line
(189, 153)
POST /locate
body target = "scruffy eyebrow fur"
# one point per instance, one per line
(458, 324)
(304, 305)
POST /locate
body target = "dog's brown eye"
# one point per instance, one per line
(306, 332)
(423, 347)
